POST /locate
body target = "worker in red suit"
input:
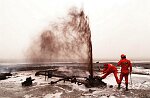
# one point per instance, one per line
(126, 68)
(108, 69)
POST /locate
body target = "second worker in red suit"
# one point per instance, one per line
(108, 69)
(126, 68)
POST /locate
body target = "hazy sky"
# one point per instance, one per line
(118, 26)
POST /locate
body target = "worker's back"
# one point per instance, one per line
(111, 68)
(125, 64)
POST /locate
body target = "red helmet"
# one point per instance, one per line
(123, 56)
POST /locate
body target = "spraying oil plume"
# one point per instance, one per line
(66, 40)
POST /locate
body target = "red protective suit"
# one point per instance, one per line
(109, 68)
(125, 65)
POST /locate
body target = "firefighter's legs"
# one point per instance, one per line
(126, 78)
(121, 77)
(116, 77)
(126, 81)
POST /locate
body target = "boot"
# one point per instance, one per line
(126, 87)
(118, 86)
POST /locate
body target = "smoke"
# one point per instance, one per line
(69, 39)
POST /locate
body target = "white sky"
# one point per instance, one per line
(118, 26)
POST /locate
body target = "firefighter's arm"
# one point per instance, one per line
(119, 63)
(104, 70)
